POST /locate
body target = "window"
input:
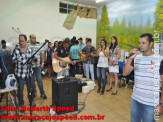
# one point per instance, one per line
(66, 7)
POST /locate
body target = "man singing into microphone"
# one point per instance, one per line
(142, 99)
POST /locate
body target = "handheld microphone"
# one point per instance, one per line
(131, 54)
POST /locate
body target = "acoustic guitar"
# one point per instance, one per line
(87, 56)
(58, 66)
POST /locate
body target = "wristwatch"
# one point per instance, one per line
(161, 104)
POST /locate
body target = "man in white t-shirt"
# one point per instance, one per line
(146, 72)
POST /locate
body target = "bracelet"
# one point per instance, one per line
(161, 104)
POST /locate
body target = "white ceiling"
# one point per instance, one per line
(90, 2)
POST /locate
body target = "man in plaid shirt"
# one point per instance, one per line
(20, 56)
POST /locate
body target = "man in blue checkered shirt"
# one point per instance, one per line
(20, 56)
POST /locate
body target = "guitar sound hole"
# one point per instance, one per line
(62, 66)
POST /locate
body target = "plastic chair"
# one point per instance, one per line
(130, 77)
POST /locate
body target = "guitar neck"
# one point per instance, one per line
(89, 54)
(69, 62)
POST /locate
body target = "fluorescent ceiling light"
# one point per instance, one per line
(98, 1)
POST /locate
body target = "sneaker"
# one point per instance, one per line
(44, 96)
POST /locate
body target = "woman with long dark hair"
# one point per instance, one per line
(54, 48)
(56, 44)
(114, 56)
(102, 65)
(49, 59)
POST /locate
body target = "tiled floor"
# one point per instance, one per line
(114, 108)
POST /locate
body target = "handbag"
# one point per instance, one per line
(114, 69)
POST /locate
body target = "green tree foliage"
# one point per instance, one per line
(115, 28)
(123, 25)
(148, 27)
(103, 27)
(126, 33)
(158, 24)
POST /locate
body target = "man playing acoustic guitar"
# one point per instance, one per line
(62, 54)
(88, 52)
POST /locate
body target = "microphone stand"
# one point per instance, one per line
(29, 71)
(19, 30)
(16, 31)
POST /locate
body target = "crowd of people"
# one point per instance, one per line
(142, 100)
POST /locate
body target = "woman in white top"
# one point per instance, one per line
(114, 56)
(102, 65)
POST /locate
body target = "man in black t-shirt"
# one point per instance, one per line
(63, 52)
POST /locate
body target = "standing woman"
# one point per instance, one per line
(102, 65)
(54, 48)
(49, 59)
(114, 56)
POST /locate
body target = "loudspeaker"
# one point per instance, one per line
(65, 93)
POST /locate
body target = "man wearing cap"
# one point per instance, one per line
(62, 52)
(81, 44)
(4, 47)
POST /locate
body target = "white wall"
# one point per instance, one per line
(42, 18)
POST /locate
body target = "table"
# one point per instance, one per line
(13, 97)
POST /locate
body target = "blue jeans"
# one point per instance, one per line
(142, 112)
(21, 83)
(89, 67)
(101, 76)
(37, 74)
(63, 73)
